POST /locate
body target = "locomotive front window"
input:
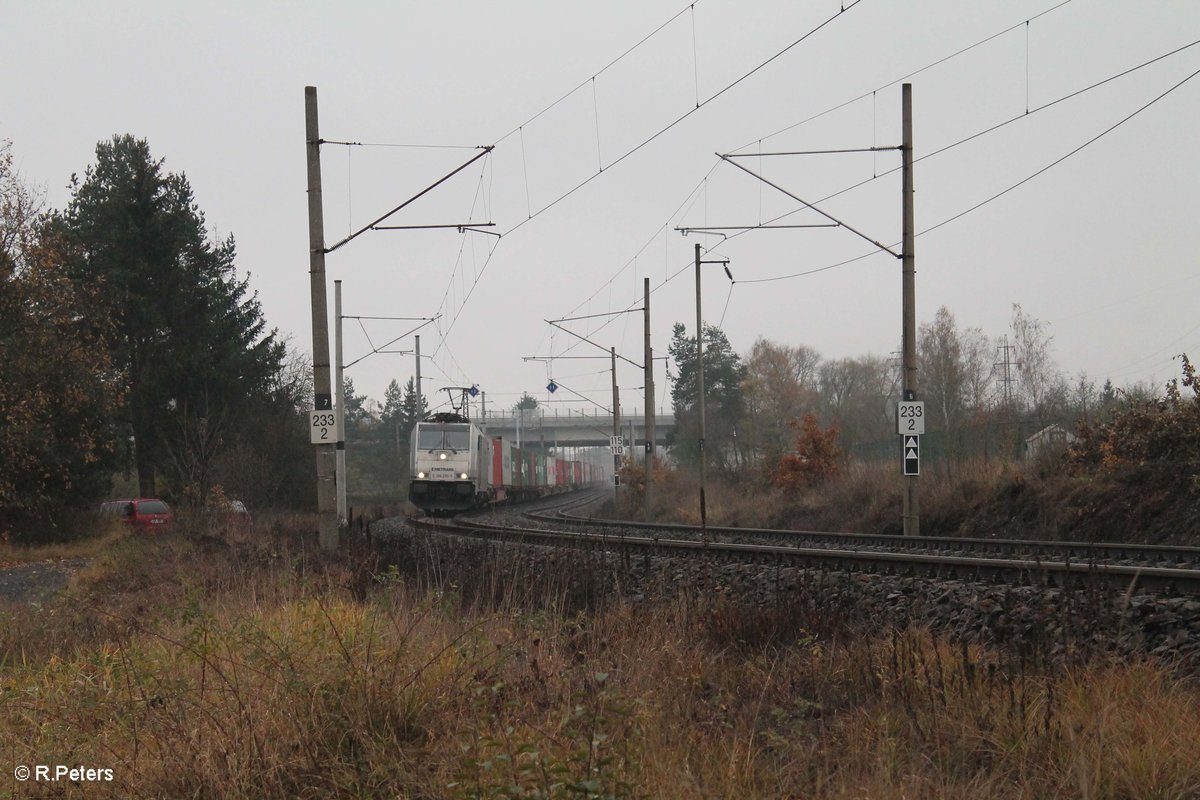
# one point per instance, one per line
(429, 438)
(443, 438)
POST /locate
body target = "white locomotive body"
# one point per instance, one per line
(455, 466)
(449, 464)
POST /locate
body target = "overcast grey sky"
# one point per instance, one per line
(1100, 246)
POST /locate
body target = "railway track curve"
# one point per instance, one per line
(1060, 601)
(1127, 567)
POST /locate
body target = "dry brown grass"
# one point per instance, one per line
(107, 534)
(970, 497)
(239, 665)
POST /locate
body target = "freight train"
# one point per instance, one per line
(455, 466)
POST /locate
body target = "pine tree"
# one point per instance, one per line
(357, 418)
(411, 414)
(724, 401)
(400, 412)
(527, 403)
(187, 335)
(393, 404)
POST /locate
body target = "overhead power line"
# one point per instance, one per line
(901, 79)
(685, 267)
(694, 191)
(1011, 120)
(601, 71)
(1001, 193)
(682, 117)
(534, 214)
(1063, 158)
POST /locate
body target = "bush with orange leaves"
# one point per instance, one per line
(1160, 433)
(816, 458)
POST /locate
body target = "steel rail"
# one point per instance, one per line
(1002, 570)
(1127, 551)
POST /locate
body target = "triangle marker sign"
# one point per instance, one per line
(912, 455)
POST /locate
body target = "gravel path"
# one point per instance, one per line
(37, 582)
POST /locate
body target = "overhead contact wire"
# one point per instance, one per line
(598, 73)
(925, 68)
(682, 117)
(988, 130)
(669, 126)
(695, 192)
(696, 57)
(999, 194)
(1063, 158)
(596, 115)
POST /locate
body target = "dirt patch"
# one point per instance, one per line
(32, 583)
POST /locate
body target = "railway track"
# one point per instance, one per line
(1123, 567)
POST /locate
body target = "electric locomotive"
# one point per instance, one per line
(449, 464)
(455, 466)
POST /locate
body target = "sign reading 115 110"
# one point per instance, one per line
(323, 427)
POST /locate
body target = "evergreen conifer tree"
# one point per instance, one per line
(188, 336)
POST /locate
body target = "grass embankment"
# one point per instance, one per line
(1131, 474)
(1045, 499)
(243, 666)
(85, 547)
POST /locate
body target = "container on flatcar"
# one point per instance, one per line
(500, 469)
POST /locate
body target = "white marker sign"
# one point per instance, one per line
(910, 417)
(323, 427)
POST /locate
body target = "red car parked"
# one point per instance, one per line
(146, 513)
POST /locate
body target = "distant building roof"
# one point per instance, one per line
(1053, 435)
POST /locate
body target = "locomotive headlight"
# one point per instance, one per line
(420, 474)
(442, 456)
(463, 475)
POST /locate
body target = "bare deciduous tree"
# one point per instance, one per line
(978, 370)
(780, 386)
(857, 395)
(941, 367)
(1042, 386)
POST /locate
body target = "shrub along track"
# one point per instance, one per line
(1060, 600)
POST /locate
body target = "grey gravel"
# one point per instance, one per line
(1046, 621)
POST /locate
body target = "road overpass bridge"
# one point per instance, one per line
(554, 429)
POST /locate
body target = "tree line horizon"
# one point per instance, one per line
(132, 352)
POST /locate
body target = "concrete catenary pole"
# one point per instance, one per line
(649, 421)
(339, 403)
(912, 506)
(417, 382)
(700, 401)
(327, 528)
(616, 419)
